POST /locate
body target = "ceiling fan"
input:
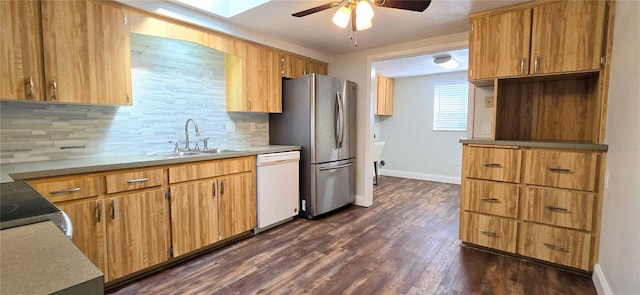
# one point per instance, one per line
(360, 12)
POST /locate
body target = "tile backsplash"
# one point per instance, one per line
(172, 81)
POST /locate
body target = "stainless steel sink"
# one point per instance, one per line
(171, 155)
(174, 154)
(219, 151)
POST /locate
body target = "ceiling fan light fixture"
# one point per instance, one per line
(446, 61)
(342, 16)
(364, 10)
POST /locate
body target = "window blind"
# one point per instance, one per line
(450, 106)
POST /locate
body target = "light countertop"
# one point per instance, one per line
(39, 259)
(29, 170)
(577, 145)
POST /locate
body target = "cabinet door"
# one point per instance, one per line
(237, 204)
(384, 95)
(261, 84)
(21, 47)
(86, 56)
(194, 216)
(137, 232)
(88, 230)
(499, 45)
(567, 36)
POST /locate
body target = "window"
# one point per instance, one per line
(450, 106)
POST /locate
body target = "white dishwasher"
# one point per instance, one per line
(278, 188)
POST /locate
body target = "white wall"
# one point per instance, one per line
(618, 269)
(413, 149)
(357, 67)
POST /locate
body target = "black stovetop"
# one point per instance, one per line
(20, 204)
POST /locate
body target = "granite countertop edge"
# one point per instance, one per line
(543, 144)
(29, 170)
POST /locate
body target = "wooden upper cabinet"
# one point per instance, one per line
(499, 44)
(260, 88)
(21, 46)
(537, 38)
(384, 95)
(296, 67)
(567, 36)
(86, 53)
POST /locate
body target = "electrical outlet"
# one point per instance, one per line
(253, 127)
(230, 127)
(486, 128)
(488, 101)
(458, 162)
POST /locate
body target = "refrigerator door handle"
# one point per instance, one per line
(336, 167)
(339, 120)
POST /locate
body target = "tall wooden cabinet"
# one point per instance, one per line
(65, 51)
(535, 189)
(537, 38)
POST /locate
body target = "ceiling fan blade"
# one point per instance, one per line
(413, 5)
(317, 9)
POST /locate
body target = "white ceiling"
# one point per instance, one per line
(316, 31)
(390, 26)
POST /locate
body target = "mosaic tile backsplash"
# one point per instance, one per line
(172, 81)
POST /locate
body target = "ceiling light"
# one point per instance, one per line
(446, 62)
(361, 10)
(342, 16)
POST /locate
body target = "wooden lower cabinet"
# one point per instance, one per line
(536, 202)
(89, 230)
(489, 231)
(237, 204)
(137, 232)
(194, 216)
(563, 246)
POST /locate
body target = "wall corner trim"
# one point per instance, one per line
(600, 281)
(363, 202)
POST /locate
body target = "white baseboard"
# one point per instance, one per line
(420, 176)
(600, 281)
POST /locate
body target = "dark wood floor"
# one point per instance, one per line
(406, 243)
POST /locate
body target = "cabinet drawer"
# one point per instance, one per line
(489, 231)
(209, 169)
(491, 198)
(572, 170)
(500, 164)
(563, 246)
(561, 208)
(68, 188)
(132, 180)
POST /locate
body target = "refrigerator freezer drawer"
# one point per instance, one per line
(333, 188)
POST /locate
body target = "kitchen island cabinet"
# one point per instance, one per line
(84, 47)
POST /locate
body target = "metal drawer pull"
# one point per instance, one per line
(522, 65)
(493, 165)
(221, 188)
(98, 213)
(555, 247)
(213, 188)
(490, 200)
(557, 209)
(113, 210)
(489, 233)
(559, 170)
(66, 191)
(138, 180)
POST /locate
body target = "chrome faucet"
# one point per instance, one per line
(186, 132)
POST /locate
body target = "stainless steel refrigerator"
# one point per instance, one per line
(318, 114)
